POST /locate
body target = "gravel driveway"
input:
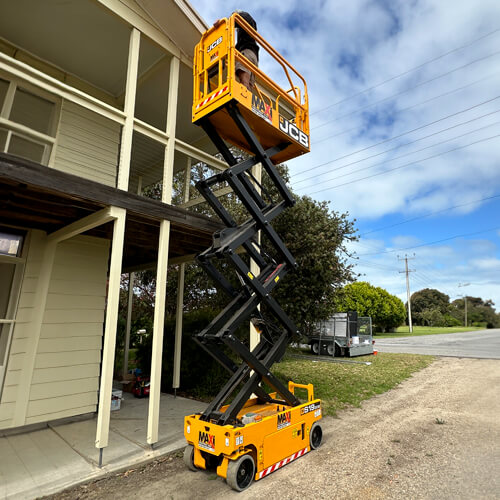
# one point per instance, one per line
(437, 435)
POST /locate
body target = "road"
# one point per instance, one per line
(434, 436)
(478, 344)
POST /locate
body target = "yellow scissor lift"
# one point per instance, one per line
(246, 433)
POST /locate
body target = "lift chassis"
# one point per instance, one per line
(246, 433)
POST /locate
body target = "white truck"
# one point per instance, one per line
(344, 334)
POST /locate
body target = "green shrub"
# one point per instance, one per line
(451, 321)
(201, 375)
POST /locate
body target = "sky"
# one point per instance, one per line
(404, 100)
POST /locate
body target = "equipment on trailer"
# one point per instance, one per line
(246, 433)
(344, 334)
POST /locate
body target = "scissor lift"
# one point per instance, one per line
(246, 433)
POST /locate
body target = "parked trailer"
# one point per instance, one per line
(344, 334)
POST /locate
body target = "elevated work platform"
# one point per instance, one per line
(276, 115)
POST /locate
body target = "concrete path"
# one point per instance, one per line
(44, 461)
(477, 344)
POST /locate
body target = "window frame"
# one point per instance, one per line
(14, 296)
(48, 141)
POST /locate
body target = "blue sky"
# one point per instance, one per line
(405, 124)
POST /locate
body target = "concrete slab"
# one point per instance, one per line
(45, 461)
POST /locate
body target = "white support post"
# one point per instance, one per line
(254, 268)
(161, 273)
(180, 297)
(41, 291)
(178, 327)
(130, 304)
(108, 352)
(129, 109)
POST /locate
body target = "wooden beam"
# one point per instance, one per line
(82, 225)
(198, 154)
(71, 186)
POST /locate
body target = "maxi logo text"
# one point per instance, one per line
(206, 440)
(284, 419)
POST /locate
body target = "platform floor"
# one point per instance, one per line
(45, 461)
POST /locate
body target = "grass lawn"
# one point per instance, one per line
(403, 331)
(340, 385)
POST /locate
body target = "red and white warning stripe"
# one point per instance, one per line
(212, 97)
(281, 463)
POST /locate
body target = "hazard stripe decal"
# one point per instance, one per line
(212, 97)
(281, 463)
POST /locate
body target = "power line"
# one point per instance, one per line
(433, 242)
(428, 215)
(405, 154)
(405, 91)
(413, 106)
(407, 164)
(406, 72)
(400, 135)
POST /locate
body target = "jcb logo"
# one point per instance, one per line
(214, 44)
(294, 132)
(206, 440)
(262, 109)
(284, 419)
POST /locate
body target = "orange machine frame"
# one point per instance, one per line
(279, 435)
(275, 115)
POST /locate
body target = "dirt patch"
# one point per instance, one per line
(434, 436)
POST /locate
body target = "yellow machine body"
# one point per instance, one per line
(275, 115)
(279, 435)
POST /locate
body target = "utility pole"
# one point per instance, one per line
(407, 272)
(465, 301)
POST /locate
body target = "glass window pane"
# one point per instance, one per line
(7, 273)
(3, 91)
(32, 111)
(3, 138)
(10, 244)
(25, 148)
(5, 329)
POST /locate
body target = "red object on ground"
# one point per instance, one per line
(141, 387)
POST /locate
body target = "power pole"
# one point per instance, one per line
(465, 301)
(407, 272)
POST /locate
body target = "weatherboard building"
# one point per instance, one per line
(95, 105)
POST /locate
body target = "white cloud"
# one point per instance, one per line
(344, 48)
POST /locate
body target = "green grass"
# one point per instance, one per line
(341, 385)
(403, 331)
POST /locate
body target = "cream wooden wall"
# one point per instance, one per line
(66, 370)
(87, 144)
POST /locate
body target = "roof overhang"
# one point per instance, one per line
(33, 196)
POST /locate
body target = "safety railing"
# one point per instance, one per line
(214, 73)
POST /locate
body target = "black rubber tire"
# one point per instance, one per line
(315, 436)
(315, 347)
(189, 458)
(331, 349)
(240, 473)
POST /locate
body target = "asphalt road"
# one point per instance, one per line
(478, 344)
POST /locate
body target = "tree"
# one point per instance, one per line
(315, 236)
(429, 298)
(387, 311)
(479, 312)
(432, 317)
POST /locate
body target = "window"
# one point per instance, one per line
(11, 268)
(27, 122)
